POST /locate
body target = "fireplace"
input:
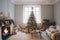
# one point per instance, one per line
(5, 31)
(6, 28)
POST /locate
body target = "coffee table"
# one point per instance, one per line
(35, 32)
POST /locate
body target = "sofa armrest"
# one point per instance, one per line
(55, 36)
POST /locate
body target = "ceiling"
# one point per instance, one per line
(35, 1)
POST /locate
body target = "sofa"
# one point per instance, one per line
(53, 33)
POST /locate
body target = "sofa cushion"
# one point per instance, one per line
(48, 32)
(52, 27)
(53, 30)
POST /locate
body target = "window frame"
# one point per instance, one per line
(38, 6)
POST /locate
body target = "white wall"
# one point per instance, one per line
(47, 12)
(11, 10)
(19, 14)
(4, 7)
(0, 5)
(57, 13)
(7, 6)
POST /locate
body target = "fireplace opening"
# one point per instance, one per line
(5, 32)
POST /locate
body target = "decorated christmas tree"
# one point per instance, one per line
(31, 24)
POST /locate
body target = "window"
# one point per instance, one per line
(27, 11)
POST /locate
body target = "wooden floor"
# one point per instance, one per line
(25, 36)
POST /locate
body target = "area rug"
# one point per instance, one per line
(24, 36)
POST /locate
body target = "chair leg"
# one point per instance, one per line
(31, 35)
